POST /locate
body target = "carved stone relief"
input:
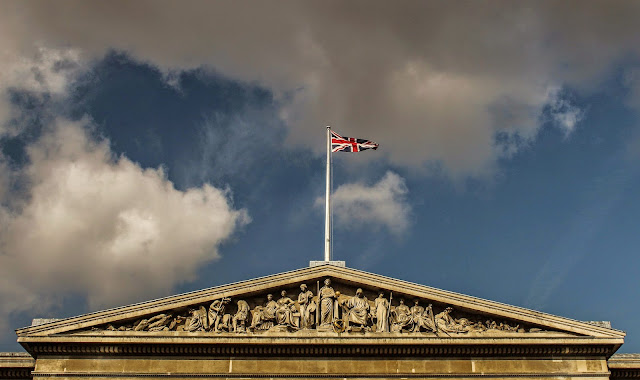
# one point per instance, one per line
(328, 311)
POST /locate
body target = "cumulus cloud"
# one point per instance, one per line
(103, 227)
(381, 205)
(432, 81)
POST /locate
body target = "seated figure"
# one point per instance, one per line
(241, 317)
(422, 319)
(285, 310)
(401, 318)
(357, 310)
(264, 316)
(198, 320)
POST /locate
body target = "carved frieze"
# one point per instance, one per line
(345, 310)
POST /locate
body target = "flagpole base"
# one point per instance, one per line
(333, 262)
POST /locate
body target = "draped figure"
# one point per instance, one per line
(285, 310)
(307, 307)
(198, 320)
(327, 296)
(421, 318)
(382, 313)
(264, 317)
(358, 310)
(402, 317)
(446, 323)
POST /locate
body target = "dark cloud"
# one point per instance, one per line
(424, 78)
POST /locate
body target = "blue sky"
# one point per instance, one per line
(185, 150)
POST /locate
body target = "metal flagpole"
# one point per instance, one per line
(327, 213)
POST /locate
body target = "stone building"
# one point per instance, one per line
(324, 321)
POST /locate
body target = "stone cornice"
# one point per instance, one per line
(624, 366)
(326, 338)
(326, 347)
(332, 350)
(16, 365)
(346, 275)
(120, 375)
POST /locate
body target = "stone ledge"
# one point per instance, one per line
(16, 365)
(321, 376)
(316, 339)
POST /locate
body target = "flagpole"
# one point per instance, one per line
(327, 212)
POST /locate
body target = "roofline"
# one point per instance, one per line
(406, 287)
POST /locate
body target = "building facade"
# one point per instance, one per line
(325, 322)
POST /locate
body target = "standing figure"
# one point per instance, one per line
(402, 317)
(284, 312)
(358, 310)
(263, 317)
(217, 318)
(241, 317)
(327, 296)
(307, 306)
(382, 313)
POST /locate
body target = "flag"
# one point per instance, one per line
(350, 144)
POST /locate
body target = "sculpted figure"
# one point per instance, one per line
(417, 316)
(198, 320)
(241, 317)
(504, 326)
(264, 317)
(469, 325)
(285, 310)
(177, 323)
(382, 313)
(357, 310)
(156, 323)
(217, 318)
(327, 296)
(421, 318)
(307, 307)
(402, 317)
(446, 323)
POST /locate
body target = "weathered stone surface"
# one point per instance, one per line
(624, 366)
(16, 365)
(238, 331)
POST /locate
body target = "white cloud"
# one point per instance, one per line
(382, 205)
(78, 220)
(103, 227)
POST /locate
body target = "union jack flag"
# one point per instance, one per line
(350, 144)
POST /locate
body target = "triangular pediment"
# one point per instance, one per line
(340, 309)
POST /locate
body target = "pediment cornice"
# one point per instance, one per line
(347, 277)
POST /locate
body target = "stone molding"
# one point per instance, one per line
(624, 366)
(320, 376)
(334, 350)
(16, 365)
